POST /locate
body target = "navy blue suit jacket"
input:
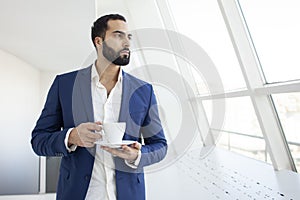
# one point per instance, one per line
(68, 104)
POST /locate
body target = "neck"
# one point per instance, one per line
(107, 71)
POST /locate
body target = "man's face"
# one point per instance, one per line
(116, 44)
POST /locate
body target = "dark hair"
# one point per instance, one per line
(100, 25)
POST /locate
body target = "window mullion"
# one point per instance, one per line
(249, 63)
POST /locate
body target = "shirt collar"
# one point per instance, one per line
(95, 75)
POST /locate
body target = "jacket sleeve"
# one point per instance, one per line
(155, 147)
(48, 136)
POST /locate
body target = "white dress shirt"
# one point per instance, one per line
(106, 109)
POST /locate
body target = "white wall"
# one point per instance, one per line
(46, 80)
(19, 104)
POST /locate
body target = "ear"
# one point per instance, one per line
(98, 41)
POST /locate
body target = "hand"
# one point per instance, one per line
(84, 135)
(129, 153)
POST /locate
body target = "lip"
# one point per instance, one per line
(125, 52)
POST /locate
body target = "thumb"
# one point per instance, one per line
(137, 145)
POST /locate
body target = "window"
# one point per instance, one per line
(202, 22)
(241, 132)
(275, 30)
(249, 115)
(288, 108)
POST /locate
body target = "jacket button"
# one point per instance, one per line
(87, 177)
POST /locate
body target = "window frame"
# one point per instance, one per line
(257, 89)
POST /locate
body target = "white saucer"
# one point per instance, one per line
(115, 145)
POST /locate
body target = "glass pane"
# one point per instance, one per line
(288, 108)
(202, 22)
(239, 116)
(253, 147)
(275, 30)
(240, 132)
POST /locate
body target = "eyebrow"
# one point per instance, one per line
(123, 33)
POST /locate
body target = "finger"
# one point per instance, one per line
(85, 143)
(110, 150)
(88, 133)
(87, 136)
(98, 123)
(87, 125)
(89, 144)
(83, 130)
(90, 140)
(114, 152)
(129, 152)
(136, 145)
(126, 148)
(94, 136)
(93, 126)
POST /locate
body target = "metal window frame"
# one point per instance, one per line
(256, 89)
(260, 95)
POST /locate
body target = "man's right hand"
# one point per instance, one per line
(84, 135)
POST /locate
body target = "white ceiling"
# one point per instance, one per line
(51, 35)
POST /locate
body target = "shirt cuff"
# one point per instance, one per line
(134, 164)
(73, 146)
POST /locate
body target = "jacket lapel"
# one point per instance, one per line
(82, 105)
(82, 97)
(126, 94)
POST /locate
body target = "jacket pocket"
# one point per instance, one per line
(140, 178)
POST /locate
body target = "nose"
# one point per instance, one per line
(126, 42)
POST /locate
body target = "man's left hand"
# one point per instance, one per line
(129, 153)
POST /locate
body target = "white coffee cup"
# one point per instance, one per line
(113, 132)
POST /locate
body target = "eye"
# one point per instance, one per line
(119, 35)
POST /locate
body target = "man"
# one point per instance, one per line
(79, 102)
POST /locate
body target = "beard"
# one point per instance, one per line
(111, 55)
